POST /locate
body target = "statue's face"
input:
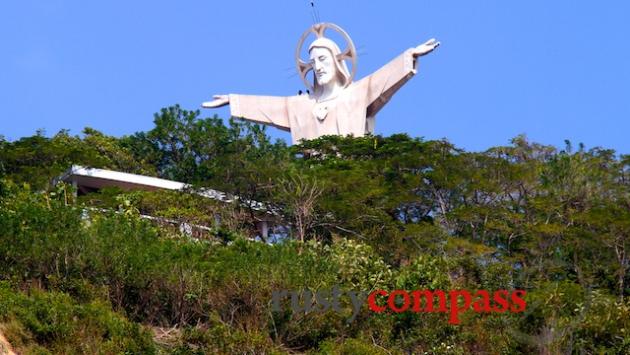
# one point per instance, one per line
(323, 64)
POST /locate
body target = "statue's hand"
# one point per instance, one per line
(219, 100)
(426, 47)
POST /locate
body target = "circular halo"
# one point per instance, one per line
(350, 52)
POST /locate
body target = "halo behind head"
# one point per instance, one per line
(321, 41)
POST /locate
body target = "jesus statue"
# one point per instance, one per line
(334, 105)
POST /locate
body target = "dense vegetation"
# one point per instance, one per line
(89, 275)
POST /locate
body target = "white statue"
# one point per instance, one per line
(335, 104)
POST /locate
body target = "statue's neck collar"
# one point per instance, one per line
(323, 94)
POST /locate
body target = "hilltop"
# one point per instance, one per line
(85, 273)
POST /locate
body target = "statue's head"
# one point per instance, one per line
(327, 67)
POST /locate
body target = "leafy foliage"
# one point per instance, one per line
(360, 213)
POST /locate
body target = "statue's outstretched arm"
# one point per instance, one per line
(219, 100)
(384, 83)
(268, 110)
(425, 48)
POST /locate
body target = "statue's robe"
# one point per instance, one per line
(352, 112)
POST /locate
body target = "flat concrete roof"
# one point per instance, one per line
(89, 179)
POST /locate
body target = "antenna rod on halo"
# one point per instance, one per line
(314, 12)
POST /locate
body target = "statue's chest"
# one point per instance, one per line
(321, 110)
(311, 119)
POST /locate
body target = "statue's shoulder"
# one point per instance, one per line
(359, 84)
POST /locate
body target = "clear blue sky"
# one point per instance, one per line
(553, 70)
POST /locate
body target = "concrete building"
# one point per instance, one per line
(86, 180)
